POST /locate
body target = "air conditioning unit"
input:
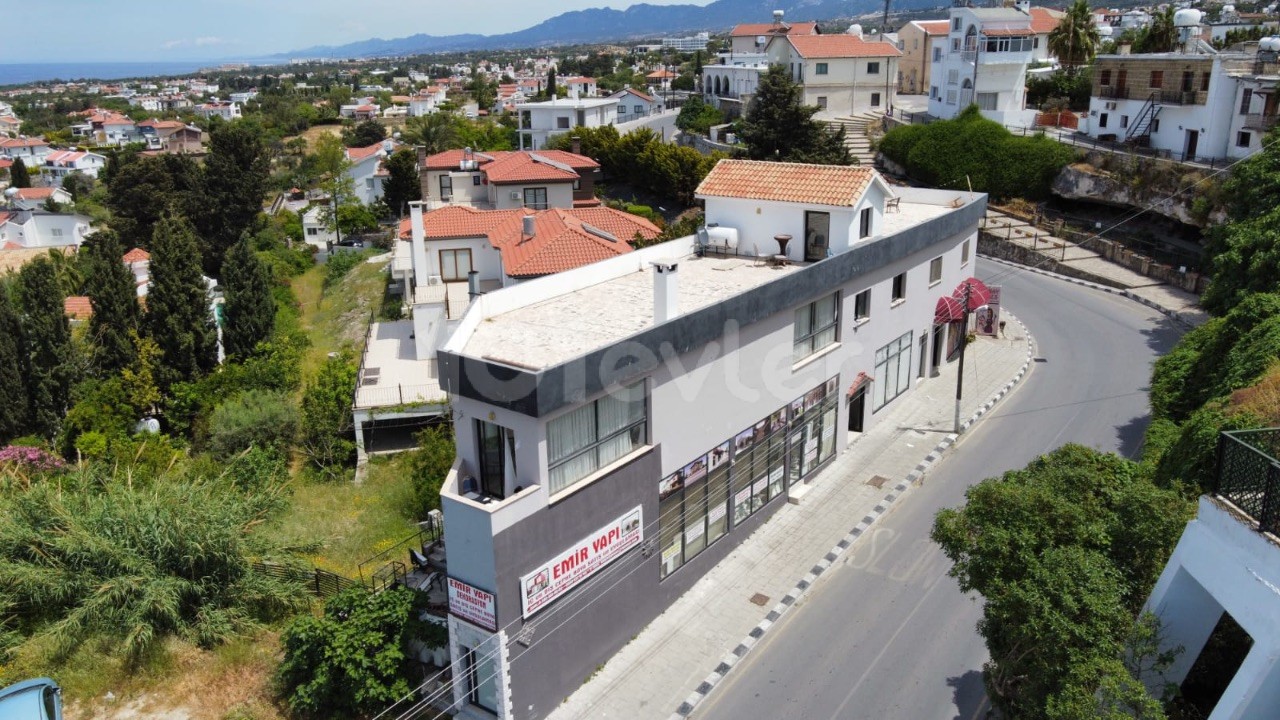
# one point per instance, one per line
(433, 280)
(515, 194)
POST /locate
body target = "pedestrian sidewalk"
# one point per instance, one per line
(678, 659)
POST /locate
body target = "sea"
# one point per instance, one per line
(21, 74)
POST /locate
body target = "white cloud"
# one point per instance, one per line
(203, 41)
(171, 44)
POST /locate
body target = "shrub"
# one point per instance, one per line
(1190, 462)
(429, 465)
(351, 661)
(254, 418)
(326, 417)
(339, 264)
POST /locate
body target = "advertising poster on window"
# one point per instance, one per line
(585, 558)
(987, 317)
(472, 604)
(718, 456)
(694, 471)
(669, 484)
(743, 441)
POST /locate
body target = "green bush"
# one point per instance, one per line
(429, 465)
(254, 418)
(353, 660)
(1252, 355)
(326, 417)
(339, 264)
(1190, 463)
(898, 142)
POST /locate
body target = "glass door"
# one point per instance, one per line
(817, 235)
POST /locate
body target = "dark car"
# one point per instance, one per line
(37, 699)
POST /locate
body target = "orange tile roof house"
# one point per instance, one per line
(754, 37)
(507, 179)
(841, 74)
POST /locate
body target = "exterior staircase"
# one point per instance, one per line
(855, 135)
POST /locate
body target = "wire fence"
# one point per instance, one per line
(320, 583)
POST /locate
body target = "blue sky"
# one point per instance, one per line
(95, 30)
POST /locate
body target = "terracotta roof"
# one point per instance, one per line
(1044, 20)
(42, 193)
(136, 255)
(1008, 32)
(360, 153)
(578, 79)
(22, 142)
(643, 96)
(510, 166)
(661, 74)
(161, 124)
(5, 163)
(841, 46)
(77, 306)
(840, 185)
(934, 27)
(66, 158)
(562, 239)
(4, 218)
(753, 29)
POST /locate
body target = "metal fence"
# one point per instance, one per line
(1249, 475)
(387, 568)
(320, 583)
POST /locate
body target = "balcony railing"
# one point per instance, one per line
(1114, 92)
(1249, 475)
(1260, 121)
(1179, 97)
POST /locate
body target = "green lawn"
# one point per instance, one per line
(337, 318)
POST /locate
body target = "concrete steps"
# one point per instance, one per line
(855, 135)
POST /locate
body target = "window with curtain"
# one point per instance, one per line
(815, 326)
(595, 435)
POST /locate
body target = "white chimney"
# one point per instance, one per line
(666, 292)
(419, 244)
(1022, 5)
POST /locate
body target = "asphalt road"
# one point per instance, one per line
(887, 634)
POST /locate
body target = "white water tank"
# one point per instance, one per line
(1187, 18)
(722, 238)
(855, 30)
(1271, 43)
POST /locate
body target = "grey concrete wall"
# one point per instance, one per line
(538, 393)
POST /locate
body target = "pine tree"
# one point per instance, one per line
(18, 175)
(778, 127)
(250, 309)
(178, 316)
(47, 337)
(112, 291)
(235, 182)
(13, 394)
(551, 83)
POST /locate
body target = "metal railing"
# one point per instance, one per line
(1249, 475)
(1260, 121)
(385, 567)
(1114, 92)
(320, 583)
(1179, 97)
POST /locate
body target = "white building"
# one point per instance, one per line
(844, 74)
(1227, 562)
(366, 171)
(225, 109)
(61, 163)
(315, 231)
(687, 44)
(983, 60)
(731, 82)
(578, 85)
(753, 38)
(623, 426)
(633, 104)
(509, 179)
(31, 151)
(41, 229)
(34, 198)
(542, 120)
(427, 100)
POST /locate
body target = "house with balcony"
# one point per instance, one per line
(172, 136)
(633, 104)
(509, 179)
(34, 198)
(61, 163)
(225, 109)
(39, 228)
(1227, 565)
(540, 121)
(366, 172)
(589, 493)
(31, 151)
(427, 100)
(1194, 105)
(731, 81)
(983, 60)
(917, 53)
(841, 74)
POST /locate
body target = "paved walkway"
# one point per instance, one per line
(679, 657)
(1150, 291)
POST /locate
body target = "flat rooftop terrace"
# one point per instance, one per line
(392, 374)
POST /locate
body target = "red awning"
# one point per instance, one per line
(948, 310)
(978, 293)
(858, 382)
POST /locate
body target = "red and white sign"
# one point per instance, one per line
(473, 605)
(566, 570)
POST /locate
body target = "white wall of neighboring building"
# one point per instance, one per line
(964, 74)
(541, 121)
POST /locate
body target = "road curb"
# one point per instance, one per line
(1173, 315)
(734, 656)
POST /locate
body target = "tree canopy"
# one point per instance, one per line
(250, 309)
(47, 343)
(178, 317)
(112, 291)
(19, 176)
(364, 134)
(235, 183)
(402, 185)
(777, 126)
(1075, 40)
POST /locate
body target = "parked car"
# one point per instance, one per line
(36, 699)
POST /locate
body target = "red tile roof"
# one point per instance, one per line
(513, 166)
(65, 158)
(360, 153)
(1044, 20)
(753, 29)
(661, 74)
(643, 96)
(5, 163)
(77, 306)
(41, 193)
(562, 239)
(840, 185)
(162, 124)
(841, 46)
(22, 142)
(934, 27)
(136, 255)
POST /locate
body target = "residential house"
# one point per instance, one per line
(572, 465)
(315, 231)
(1198, 104)
(172, 136)
(731, 82)
(242, 97)
(579, 85)
(31, 151)
(633, 104)
(983, 60)
(660, 79)
(501, 180)
(542, 120)
(843, 74)
(106, 127)
(1043, 22)
(139, 263)
(427, 100)
(34, 198)
(10, 126)
(61, 163)
(366, 171)
(754, 38)
(917, 53)
(39, 228)
(1226, 567)
(360, 111)
(225, 109)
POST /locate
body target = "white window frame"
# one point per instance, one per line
(935, 271)
(816, 327)
(572, 460)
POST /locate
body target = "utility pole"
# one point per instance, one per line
(964, 340)
(884, 22)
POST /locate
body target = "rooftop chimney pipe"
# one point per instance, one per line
(666, 297)
(419, 244)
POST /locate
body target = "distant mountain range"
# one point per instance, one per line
(599, 25)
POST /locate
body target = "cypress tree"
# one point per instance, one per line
(236, 173)
(250, 309)
(551, 84)
(47, 337)
(112, 291)
(178, 318)
(18, 175)
(13, 392)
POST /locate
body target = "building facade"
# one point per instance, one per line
(917, 54)
(542, 120)
(842, 74)
(983, 60)
(621, 427)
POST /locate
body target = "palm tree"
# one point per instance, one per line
(1160, 36)
(436, 132)
(1075, 41)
